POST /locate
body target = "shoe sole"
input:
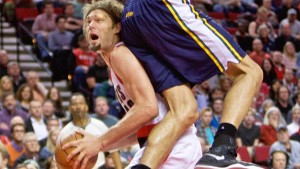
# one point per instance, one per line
(234, 166)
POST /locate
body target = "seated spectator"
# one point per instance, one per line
(9, 111)
(294, 23)
(289, 58)
(32, 148)
(272, 120)
(217, 107)
(285, 36)
(38, 89)
(242, 36)
(49, 112)
(269, 73)
(279, 66)
(4, 157)
(3, 63)
(225, 83)
(278, 160)
(283, 7)
(55, 97)
(36, 122)
(201, 93)
(48, 150)
(60, 39)
(283, 102)
(296, 136)
(293, 127)
(15, 75)
(6, 86)
(42, 26)
(15, 147)
(105, 89)
(84, 58)
(78, 5)
(204, 129)
(228, 6)
(215, 93)
(248, 133)
(32, 164)
(257, 54)
(261, 18)
(101, 112)
(72, 23)
(24, 96)
(10, 7)
(285, 144)
(265, 37)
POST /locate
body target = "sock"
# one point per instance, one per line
(225, 135)
(140, 166)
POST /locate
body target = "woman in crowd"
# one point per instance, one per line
(24, 95)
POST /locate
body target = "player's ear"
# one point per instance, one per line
(118, 28)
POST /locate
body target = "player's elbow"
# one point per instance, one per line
(151, 111)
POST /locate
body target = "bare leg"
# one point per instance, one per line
(247, 77)
(182, 114)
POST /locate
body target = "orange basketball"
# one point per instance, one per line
(61, 155)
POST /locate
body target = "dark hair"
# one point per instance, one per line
(59, 17)
(15, 125)
(20, 90)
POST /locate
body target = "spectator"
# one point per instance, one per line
(271, 14)
(248, 133)
(269, 72)
(283, 102)
(282, 11)
(105, 89)
(272, 120)
(32, 148)
(101, 112)
(48, 150)
(15, 75)
(289, 80)
(279, 66)
(6, 86)
(15, 147)
(258, 55)
(217, 107)
(32, 164)
(293, 22)
(267, 103)
(265, 37)
(296, 136)
(38, 89)
(285, 36)
(293, 127)
(278, 160)
(285, 144)
(4, 158)
(225, 83)
(289, 58)
(274, 89)
(204, 129)
(202, 95)
(215, 93)
(60, 39)
(3, 63)
(261, 18)
(84, 59)
(49, 112)
(72, 23)
(24, 95)
(36, 123)
(9, 111)
(242, 36)
(43, 24)
(55, 97)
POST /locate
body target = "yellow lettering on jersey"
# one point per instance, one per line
(129, 14)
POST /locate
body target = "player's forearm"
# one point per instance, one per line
(124, 142)
(137, 117)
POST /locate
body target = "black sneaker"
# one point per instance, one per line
(223, 157)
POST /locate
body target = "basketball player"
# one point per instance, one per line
(179, 46)
(134, 92)
(81, 120)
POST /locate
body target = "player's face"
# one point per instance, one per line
(100, 30)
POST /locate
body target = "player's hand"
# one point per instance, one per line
(86, 148)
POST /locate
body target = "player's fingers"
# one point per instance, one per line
(84, 163)
(73, 153)
(78, 160)
(73, 143)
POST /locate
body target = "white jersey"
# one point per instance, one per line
(187, 151)
(94, 127)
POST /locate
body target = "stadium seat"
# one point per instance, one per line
(59, 11)
(231, 30)
(244, 154)
(217, 15)
(261, 155)
(23, 14)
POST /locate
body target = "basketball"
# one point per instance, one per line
(61, 155)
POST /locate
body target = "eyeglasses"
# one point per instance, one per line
(18, 131)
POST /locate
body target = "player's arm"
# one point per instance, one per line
(139, 87)
(144, 109)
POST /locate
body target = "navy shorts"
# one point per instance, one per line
(175, 43)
